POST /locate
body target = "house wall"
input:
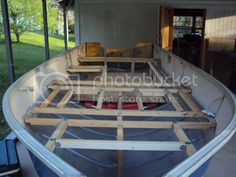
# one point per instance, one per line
(125, 24)
(121, 25)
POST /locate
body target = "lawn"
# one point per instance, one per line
(28, 54)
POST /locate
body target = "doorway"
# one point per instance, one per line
(182, 32)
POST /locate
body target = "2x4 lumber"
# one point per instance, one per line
(119, 104)
(49, 99)
(110, 112)
(139, 101)
(115, 124)
(120, 84)
(156, 72)
(151, 93)
(188, 100)
(65, 99)
(118, 59)
(120, 133)
(78, 69)
(100, 100)
(190, 149)
(96, 89)
(58, 133)
(120, 157)
(120, 145)
(104, 73)
(174, 102)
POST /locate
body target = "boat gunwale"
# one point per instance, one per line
(191, 164)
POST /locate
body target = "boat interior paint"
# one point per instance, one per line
(212, 96)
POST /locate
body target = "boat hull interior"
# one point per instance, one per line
(107, 112)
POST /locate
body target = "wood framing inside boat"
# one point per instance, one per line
(117, 113)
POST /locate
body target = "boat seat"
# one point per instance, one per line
(85, 69)
(9, 160)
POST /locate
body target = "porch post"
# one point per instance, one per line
(45, 21)
(65, 28)
(10, 64)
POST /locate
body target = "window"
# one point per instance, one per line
(187, 25)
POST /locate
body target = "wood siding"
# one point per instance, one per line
(122, 25)
(125, 24)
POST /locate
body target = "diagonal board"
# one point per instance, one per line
(58, 133)
(184, 138)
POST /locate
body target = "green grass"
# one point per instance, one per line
(27, 54)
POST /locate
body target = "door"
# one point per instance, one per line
(166, 27)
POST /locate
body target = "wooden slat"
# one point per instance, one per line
(174, 102)
(95, 89)
(190, 149)
(78, 69)
(109, 112)
(49, 99)
(120, 84)
(120, 157)
(139, 101)
(119, 104)
(120, 145)
(156, 72)
(118, 59)
(65, 99)
(104, 73)
(58, 133)
(188, 100)
(100, 100)
(115, 124)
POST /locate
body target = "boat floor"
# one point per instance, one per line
(222, 164)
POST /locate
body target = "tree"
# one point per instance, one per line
(1, 26)
(27, 16)
(23, 16)
(1, 22)
(53, 14)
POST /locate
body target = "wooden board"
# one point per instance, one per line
(148, 85)
(156, 72)
(86, 69)
(120, 145)
(94, 49)
(50, 98)
(143, 50)
(120, 157)
(115, 124)
(189, 101)
(65, 99)
(58, 133)
(118, 59)
(184, 138)
(117, 52)
(111, 112)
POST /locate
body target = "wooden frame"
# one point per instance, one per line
(118, 121)
(118, 59)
